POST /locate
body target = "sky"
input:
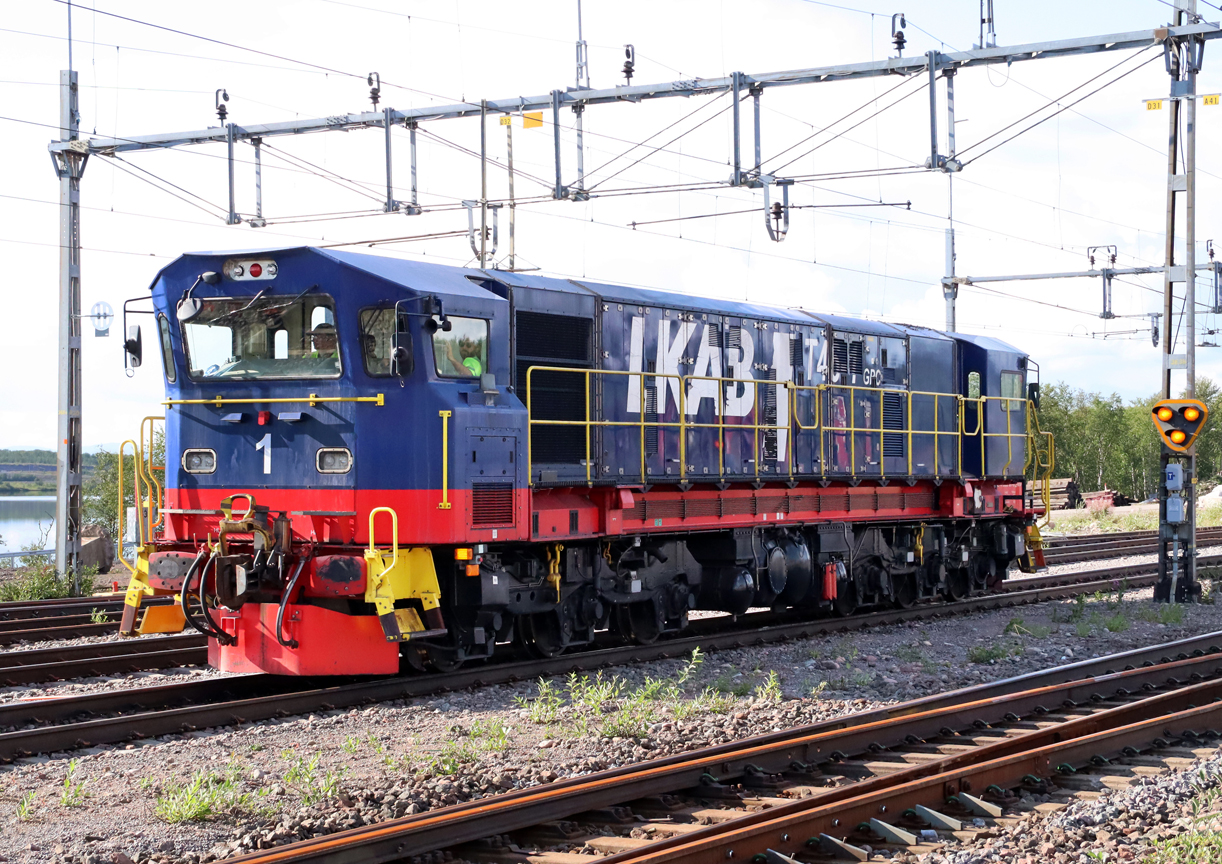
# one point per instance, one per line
(1093, 175)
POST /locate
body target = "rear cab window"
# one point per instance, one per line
(1012, 391)
(461, 351)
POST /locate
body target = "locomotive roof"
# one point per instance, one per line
(426, 277)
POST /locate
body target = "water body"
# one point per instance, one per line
(26, 519)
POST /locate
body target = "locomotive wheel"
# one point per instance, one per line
(412, 658)
(638, 622)
(542, 634)
(846, 601)
(905, 588)
(958, 583)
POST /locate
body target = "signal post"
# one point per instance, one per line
(1179, 422)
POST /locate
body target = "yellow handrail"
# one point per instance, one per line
(121, 526)
(313, 399)
(445, 460)
(394, 534)
(795, 425)
(682, 424)
(145, 463)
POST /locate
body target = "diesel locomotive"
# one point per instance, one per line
(375, 464)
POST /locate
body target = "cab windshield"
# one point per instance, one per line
(269, 336)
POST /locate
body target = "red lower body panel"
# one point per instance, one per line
(329, 643)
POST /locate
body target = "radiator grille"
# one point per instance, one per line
(556, 337)
(491, 504)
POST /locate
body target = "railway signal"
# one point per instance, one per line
(1178, 422)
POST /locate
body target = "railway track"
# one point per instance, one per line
(903, 777)
(48, 620)
(1093, 547)
(49, 725)
(40, 665)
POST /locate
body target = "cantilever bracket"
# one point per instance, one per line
(777, 211)
(472, 206)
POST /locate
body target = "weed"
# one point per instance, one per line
(207, 795)
(993, 652)
(1162, 613)
(860, 678)
(1083, 628)
(728, 682)
(469, 744)
(73, 794)
(817, 691)
(1117, 623)
(1019, 628)
(304, 779)
(98, 616)
(1078, 612)
(545, 706)
(255, 748)
(770, 689)
(349, 745)
(25, 807)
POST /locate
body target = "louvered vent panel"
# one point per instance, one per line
(651, 416)
(893, 418)
(855, 364)
(491, 504)
(840, 356)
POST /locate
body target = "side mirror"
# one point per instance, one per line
(1033, 394)
(210, 278)
(401, 354)
(189, 309)
(134, 346)
(487, 382)
(447, 325)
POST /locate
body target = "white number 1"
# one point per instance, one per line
(265, 444)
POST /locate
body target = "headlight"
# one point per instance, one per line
(199, 461)
(334, 460)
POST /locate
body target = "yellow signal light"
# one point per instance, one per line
(1165, 414)
(1178, 436)
(1191, 414)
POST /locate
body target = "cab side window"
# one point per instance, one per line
(377, 342)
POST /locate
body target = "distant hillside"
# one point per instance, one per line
(40, 457)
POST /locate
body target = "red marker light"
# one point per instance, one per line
(265, 417)
(256, 270)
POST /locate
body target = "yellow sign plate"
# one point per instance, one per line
(533, 119)
(506, 121)
(1154, 104)
(1211, 99)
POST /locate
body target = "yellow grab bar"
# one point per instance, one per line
(394, 534)
(445, 461)
(313, 399)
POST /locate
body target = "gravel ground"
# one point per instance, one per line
(271, 782)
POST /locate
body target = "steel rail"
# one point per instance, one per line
(793, 829)
(776, 753)
(90, 650)
(112, 664)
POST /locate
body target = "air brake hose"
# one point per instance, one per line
(207, 629)
(284, 602)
